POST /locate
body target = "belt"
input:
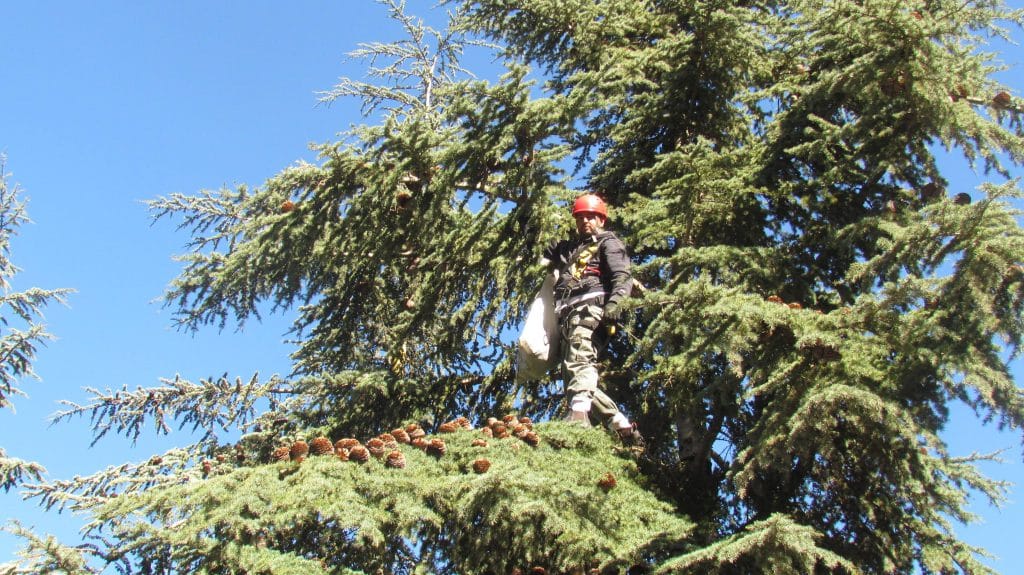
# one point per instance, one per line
(571, 302)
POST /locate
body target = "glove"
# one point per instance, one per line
(612, 313)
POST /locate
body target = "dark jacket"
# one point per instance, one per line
(588, 264)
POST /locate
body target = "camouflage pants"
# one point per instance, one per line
(579, 349)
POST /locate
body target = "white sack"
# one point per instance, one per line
(537, 352)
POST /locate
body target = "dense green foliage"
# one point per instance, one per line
(815, 300)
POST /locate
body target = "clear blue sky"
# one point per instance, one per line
(106, 104)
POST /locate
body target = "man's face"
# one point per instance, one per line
(589, 223)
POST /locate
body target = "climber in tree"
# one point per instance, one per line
(592, 279)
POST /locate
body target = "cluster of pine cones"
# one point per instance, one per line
(385, 448)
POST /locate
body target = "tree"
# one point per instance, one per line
(815, 300)
(22, 331)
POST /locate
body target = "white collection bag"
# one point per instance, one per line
(537, 352)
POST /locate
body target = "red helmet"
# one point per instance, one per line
(590, 204)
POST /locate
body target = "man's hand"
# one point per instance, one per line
(612, 312)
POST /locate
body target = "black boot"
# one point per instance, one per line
(631, 437)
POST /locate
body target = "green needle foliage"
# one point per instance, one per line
(815, 299)
(20, 312)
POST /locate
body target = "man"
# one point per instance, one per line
(592, 279)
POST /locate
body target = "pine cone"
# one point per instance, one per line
(1002, 100)
(207, 467)
(527, 422)
(376, 447)
(287, 206)
(519, 430)
(395, 459)
(532, 439)
(479, 442)
(347, 443)
(359, 454)
(448, 427)
(282, 453)
(481, 465)
(420, 443)
(491, 421)
(500, 430)
(538, 571)
(341, 453)
(487, 432)
(401, 435)
(464, 423)
(415, 431)
(607, 482)
(299, 450)
(321, 446)
(436, 447)
(389, 440)
(509, 419)
(962, 199)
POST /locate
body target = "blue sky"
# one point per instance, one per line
(107, 104)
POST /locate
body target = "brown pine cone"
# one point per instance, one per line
(500, 430)
(299, 449)
(415, 431)
(527, 422)
(464, 423)
(519, 430)
(607, 482)
(436, 447)
(538, 571)
(401, 435)
(395, 459)
(359, 454)
(532, 439)
(346, 443)
(389, 440)
(481, 465)
(376, 447)
(448, 427)
(321, 446)
(420, 443)
(341, 453)
(509, 419)
(282, 453)
(487, 432)
(479, 442)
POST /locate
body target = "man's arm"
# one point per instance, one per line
(616, 258)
